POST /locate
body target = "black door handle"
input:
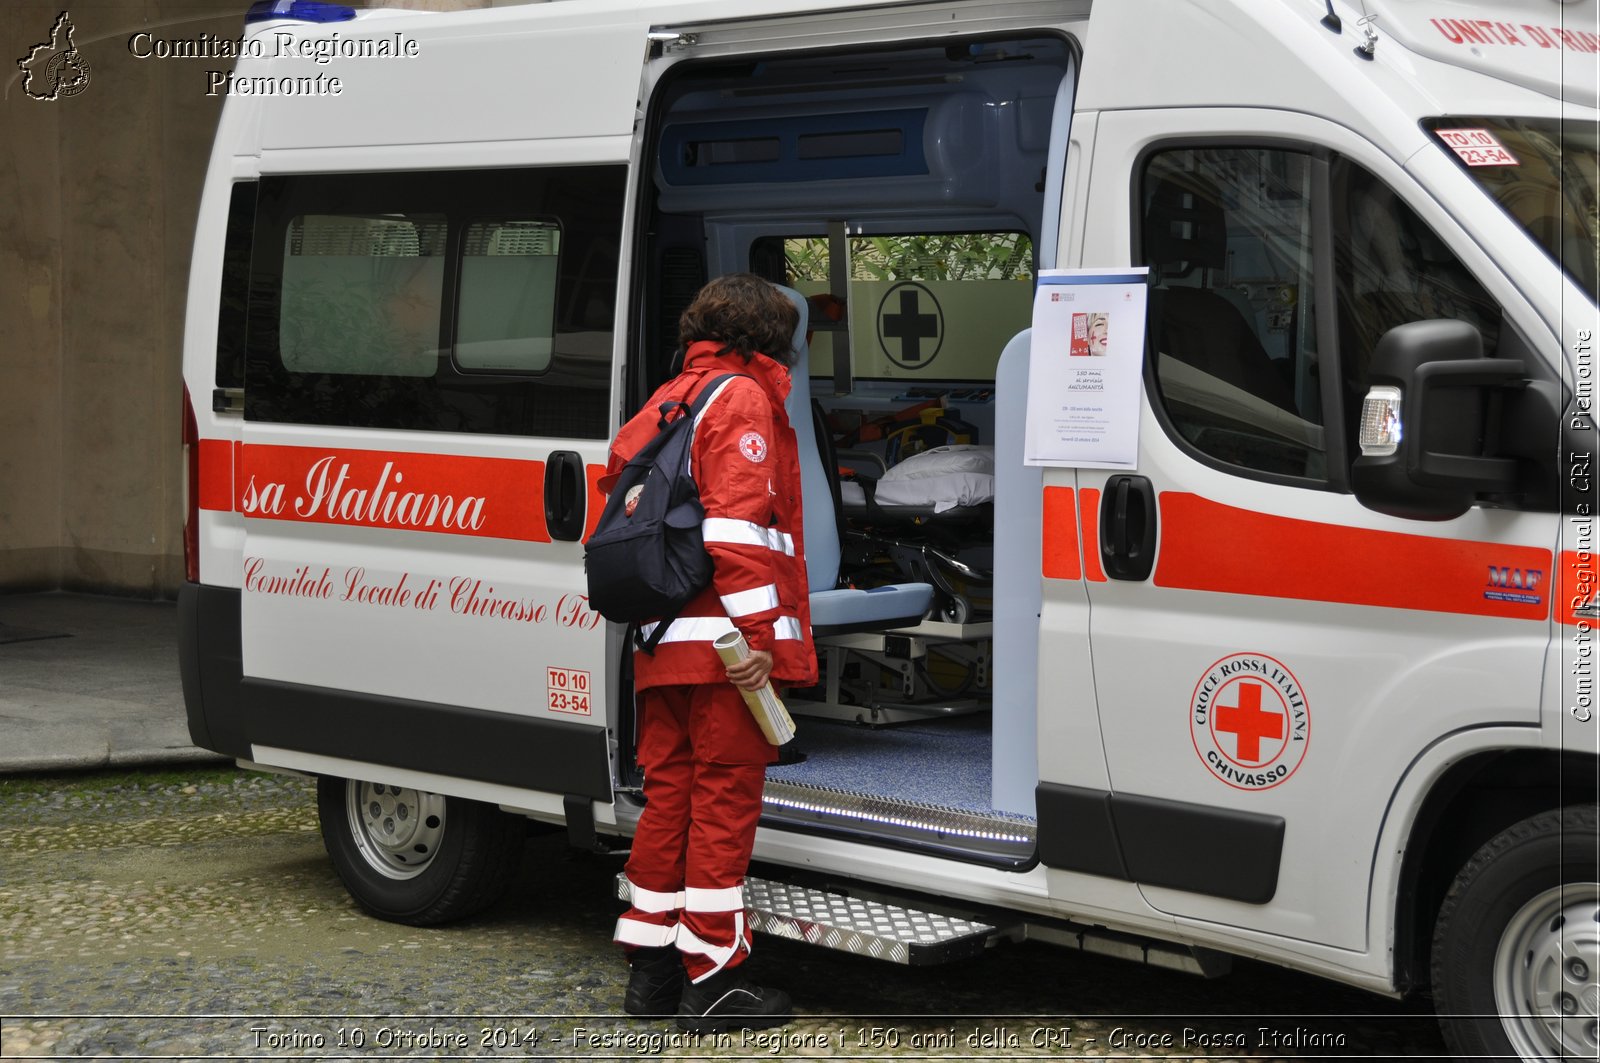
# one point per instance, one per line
(1128, 527)
(564, 497)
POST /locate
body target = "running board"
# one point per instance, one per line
(860, 926)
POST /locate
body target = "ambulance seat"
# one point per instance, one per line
(1185, 226)
(835, 610)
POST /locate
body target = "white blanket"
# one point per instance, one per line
(944, 478)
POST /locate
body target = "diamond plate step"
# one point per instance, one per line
(857, 925)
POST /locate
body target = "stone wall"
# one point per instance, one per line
(98, 196)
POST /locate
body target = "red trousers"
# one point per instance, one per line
(704, 762)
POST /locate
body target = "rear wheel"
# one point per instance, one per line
(1516, 950)
(410, 856)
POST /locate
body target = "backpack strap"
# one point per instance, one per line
(709, 392)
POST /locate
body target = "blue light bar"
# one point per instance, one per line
(299, 11)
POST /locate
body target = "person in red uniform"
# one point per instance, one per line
(703, 756)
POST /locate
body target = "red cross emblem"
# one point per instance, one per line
(1249, 724)
(1257, 700)
(753, 447)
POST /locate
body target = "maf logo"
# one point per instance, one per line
(55, 68)
(1514, 585)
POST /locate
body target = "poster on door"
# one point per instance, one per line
(1084, 370)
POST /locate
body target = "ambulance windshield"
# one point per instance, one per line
(1543, 172)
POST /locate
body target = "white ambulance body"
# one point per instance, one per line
(1271, 692)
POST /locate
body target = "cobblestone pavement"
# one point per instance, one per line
(195, 914)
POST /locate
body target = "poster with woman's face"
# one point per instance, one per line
(1089, 333)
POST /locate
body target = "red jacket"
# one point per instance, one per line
(746, 464)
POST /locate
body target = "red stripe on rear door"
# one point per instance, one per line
(1207, 546)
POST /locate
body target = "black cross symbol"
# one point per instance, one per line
(910, 327)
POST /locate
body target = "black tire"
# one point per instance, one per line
(1516, 949)
(414, 857)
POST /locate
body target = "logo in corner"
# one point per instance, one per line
(753, 447)
(55, 69)
(1249, 721)
(1520, 585)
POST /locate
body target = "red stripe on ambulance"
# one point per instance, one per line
(1089, 511)
(498, 498)
(1060, 540)
(597, 499)
(1207, 546)
(1578, 596)
(216, 474)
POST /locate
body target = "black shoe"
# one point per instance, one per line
(729, 1001)
(655, 984)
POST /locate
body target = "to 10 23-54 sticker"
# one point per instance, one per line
(568, 689)
(1477, 147)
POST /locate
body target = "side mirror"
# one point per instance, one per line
(1430, 423)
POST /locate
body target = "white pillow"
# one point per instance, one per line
(944, 478)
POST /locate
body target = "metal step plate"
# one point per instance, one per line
(857, 925)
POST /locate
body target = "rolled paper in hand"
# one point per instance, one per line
(773, 719)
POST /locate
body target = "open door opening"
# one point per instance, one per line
(899, 193)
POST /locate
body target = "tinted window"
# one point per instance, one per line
(1545, 173)
(1392, 268)
(362, 295)
(235, 285)
(1227, 233)
(506, 319)
(1227, 236)
(479, 301)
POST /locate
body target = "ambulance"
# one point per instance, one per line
(1309, 678)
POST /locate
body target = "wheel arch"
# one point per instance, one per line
(1470, 802)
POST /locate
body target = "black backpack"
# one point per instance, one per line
(651, 562)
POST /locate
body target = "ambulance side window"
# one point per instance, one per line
(1226, 233)
(506, 316)
(477, 301)
(362, 295)
(235, 293)
(1390, 268)
(934, 306)
(1233, 331)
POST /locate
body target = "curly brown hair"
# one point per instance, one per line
(745, 314)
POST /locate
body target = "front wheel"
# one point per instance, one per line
(1516, 950)
(410, 856)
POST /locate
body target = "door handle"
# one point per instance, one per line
(1128, 528)
(565, 499)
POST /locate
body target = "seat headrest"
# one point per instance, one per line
(801, 355)
(1184, 223)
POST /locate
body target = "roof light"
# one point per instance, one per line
(299, 11)
(1380, 422)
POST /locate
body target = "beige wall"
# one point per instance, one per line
(98, 194)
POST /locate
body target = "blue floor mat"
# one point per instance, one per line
(941, 762)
